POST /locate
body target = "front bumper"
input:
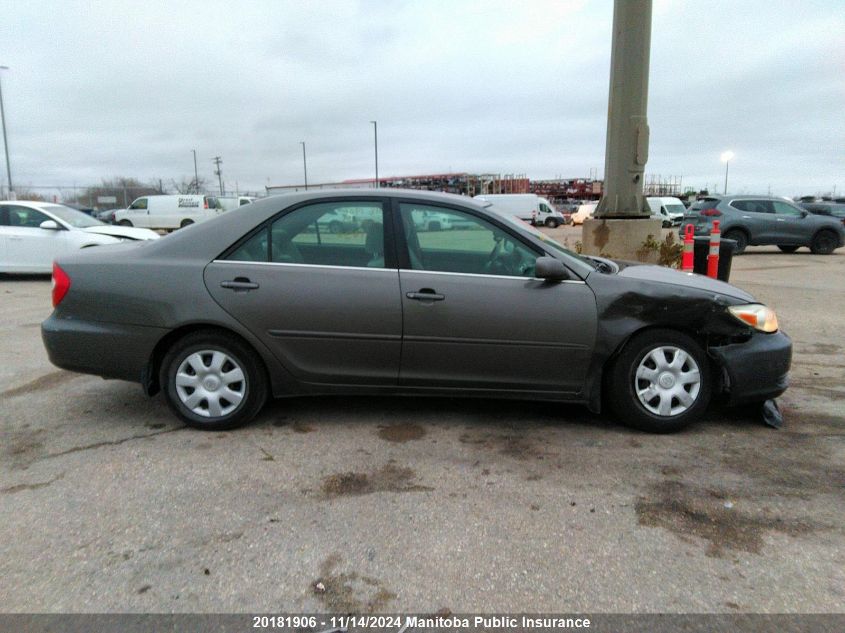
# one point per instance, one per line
(757, 369)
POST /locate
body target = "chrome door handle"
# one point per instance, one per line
(426, 294)
(239, 283)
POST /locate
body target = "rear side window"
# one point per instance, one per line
(753, 206)
(323, 234)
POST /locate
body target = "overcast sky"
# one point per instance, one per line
(102, 89)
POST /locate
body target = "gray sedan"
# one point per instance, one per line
(264, 301)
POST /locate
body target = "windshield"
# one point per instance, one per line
(76, 219)
(676, 209)
(556, 246)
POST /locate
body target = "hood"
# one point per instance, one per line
(663, 275)
(125, 232)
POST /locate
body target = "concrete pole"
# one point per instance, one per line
(626, 152)
(6, 141)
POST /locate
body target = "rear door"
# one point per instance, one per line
(475, 317)
(326, 303)
(757, 216)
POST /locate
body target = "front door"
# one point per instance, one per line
(323, 297)
(789, 223)
(30, 248)
(476, 317)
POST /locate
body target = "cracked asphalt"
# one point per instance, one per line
(406, 504)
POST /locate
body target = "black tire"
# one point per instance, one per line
(824, 242)
(788, 249)
(552, 223)
(239, 355)
(125, 223)
(622, 384)
(741, 239)
(185, 222)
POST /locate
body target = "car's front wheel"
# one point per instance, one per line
(213, 381)
(125, 223)
(552, 223)
(660, 382)
(824, 243)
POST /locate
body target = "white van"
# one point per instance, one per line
(168, 212)
(233, 202)
(584, 211)
(670, 211)
(525, 206)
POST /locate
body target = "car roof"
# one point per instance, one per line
(214, 236)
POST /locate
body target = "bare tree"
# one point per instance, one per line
(124, 189)
(189, 185)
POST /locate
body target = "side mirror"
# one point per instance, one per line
(50, 225)
(550, 269)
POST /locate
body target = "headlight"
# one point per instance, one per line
(757, 316)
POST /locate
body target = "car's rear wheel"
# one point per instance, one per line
(741, 239)
(788, 249)
(824, 243)
(125, 223)
(213, 381)
(185, 222)
(660, 382)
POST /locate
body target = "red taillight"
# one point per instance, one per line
(61, 284)
(205, 204)
(710, 213)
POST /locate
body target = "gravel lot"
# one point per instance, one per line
(395, 504)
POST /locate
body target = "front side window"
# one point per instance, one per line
(140, 203)
(25, 217)
(785, 209)
(324, 234)
(471, 245)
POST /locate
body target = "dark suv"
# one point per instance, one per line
(763, 220)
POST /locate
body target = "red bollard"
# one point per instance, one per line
(713, 257)
(689, 243)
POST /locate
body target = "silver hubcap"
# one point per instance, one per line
(210, 383)
(667, 381)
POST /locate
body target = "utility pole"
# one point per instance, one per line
(196, 173)
(621, 222)
(6, 138)
(304, 165)
(218, 172)
(375, 131)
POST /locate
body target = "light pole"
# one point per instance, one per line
(726, 158)
(304, 165)
(5, 137)
(375, 132)
(196, 173)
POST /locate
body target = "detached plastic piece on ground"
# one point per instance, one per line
(771, 414)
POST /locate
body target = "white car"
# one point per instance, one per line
(33, 234)
(584, 211)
